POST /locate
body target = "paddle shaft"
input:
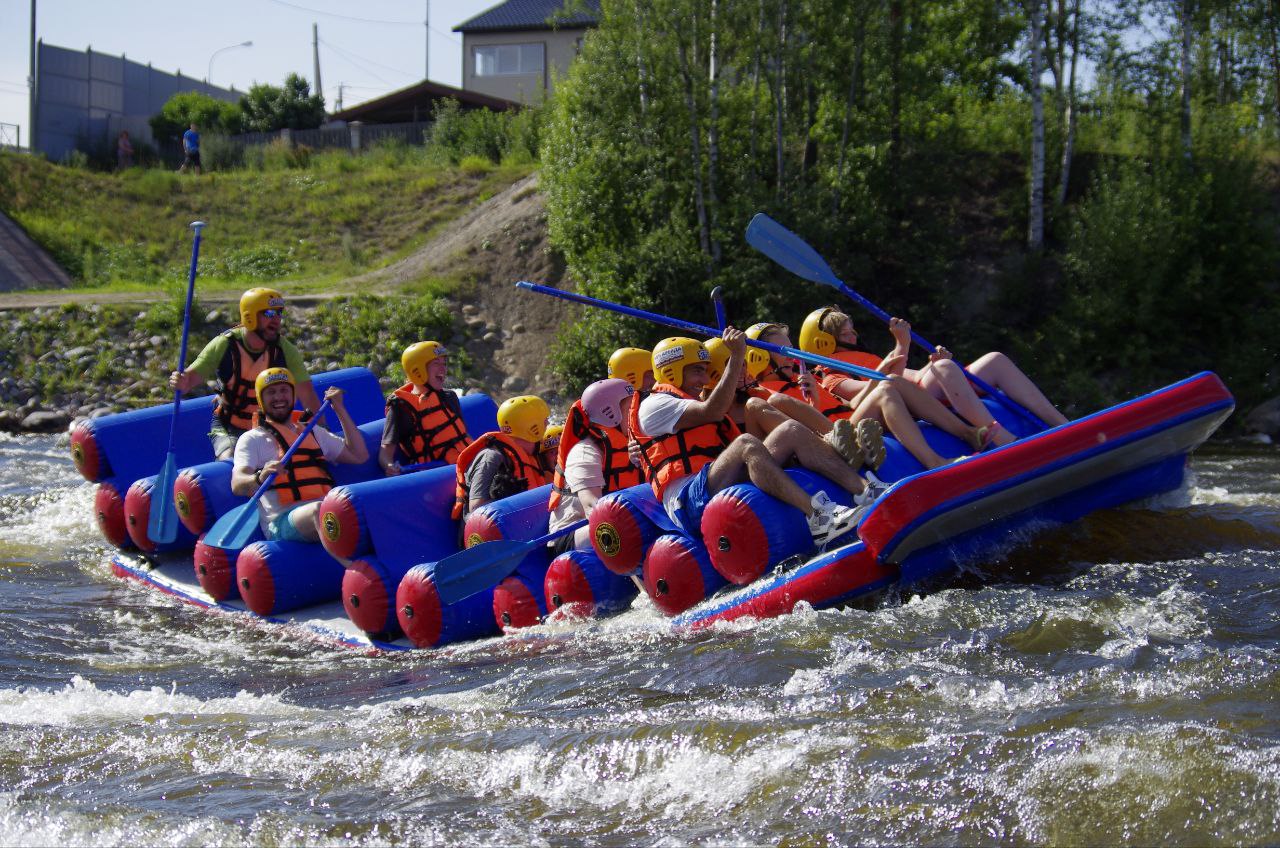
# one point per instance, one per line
(689, 326)
(198, 226)
(718, 301)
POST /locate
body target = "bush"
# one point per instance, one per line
(496, 136)
(365, 330)
(207, 113)
(220, 153)
(475, 165)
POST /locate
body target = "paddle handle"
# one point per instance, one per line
(679, 324)
(717, 300)
(198, 226)
(288, 455)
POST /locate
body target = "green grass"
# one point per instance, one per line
(340, 216)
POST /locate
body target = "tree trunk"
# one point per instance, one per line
(1273, 29)
(713, 136)
(755, 82)
(780, 103)
(860, 37)
(1035, 226)
(1184, 17)
(642, 72)
(695, 141)
(897, 31)
(1069, 124)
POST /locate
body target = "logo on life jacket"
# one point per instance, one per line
(607, 539)
(183, 505)
(332, 528)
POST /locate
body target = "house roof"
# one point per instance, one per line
(534, 15)
(416, 103)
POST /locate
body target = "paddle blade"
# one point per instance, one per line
(461, 575)
(162, 525)
(789, 250)
(234, 529)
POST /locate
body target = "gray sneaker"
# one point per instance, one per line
(843, 439)
(832, 521)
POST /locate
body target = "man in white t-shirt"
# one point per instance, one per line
(695, 450)
(595, 458)
(287, 511)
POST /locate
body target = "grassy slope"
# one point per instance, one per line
(318, 225)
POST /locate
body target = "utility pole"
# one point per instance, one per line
(338, 106)
(31, 84)
(315, 54)
(426, 46)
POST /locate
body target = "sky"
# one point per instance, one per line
(373, 46)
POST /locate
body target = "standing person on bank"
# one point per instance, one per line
(424, 419)
(191, 151)
(288, 510)
(236, 358)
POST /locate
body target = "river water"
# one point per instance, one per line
(1118, 681)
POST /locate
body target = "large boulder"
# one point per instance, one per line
(1264, 418)
(46, 421)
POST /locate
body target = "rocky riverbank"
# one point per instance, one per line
(60, 363)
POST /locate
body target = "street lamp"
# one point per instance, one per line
(209, 78)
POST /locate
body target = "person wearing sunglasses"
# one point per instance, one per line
(236, 358)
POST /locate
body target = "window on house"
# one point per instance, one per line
(501, 59)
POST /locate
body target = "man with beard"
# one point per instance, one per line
(424, 420)
(287, 510)
(236, 358)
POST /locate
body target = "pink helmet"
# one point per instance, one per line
(602, 400)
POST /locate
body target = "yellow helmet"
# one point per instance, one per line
(673, 355)
(719, 352)
(757, 363)
(417, 357)
(271, 376)
(255, 301)
(524, 417)
(814, 339)
(630, 363)
(551, 439)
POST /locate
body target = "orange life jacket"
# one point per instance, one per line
(237, 399)
(830, 379)
(438, 431)
(684, 452)
(825, 402)
(306, 477)
(619, 473)
(523, 467)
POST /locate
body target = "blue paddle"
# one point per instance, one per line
(162, 524)
(705, 332)
(233, 530)
(717, 298)
(471, 571)
(793, 253)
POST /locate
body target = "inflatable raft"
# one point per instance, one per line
(371, 585)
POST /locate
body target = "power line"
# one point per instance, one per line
(345, 17)
(351, 54)
(358, 65)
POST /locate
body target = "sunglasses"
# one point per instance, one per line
(273, 313)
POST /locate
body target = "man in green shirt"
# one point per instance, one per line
(236, 358)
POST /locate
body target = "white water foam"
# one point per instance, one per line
(57, 519)
(80, 703)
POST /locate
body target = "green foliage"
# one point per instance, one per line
(207, 113)
(219, 153)
(511, 136)
(267, 108)
(367, 330)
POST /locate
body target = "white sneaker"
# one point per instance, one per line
(872, 491)
(831, 520)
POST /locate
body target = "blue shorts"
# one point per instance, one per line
(281, 529)
(692, 502)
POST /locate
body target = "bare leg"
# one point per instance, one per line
(1000, 371)
(927, 407)
(885, 404)
(748, 459)
(812, 452)
(304, 519)
(761, 418)
(946, 376)
(802, 412)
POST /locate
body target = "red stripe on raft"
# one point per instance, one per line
(514, 606)
(365, 597)
(567, 590)
(216, 572)
(253, 573)
(735, 538)
(916, 497)
(340, 525)
(188, 498)
(137, 512)
(418, 608)
(85, 453)
(108, 511)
